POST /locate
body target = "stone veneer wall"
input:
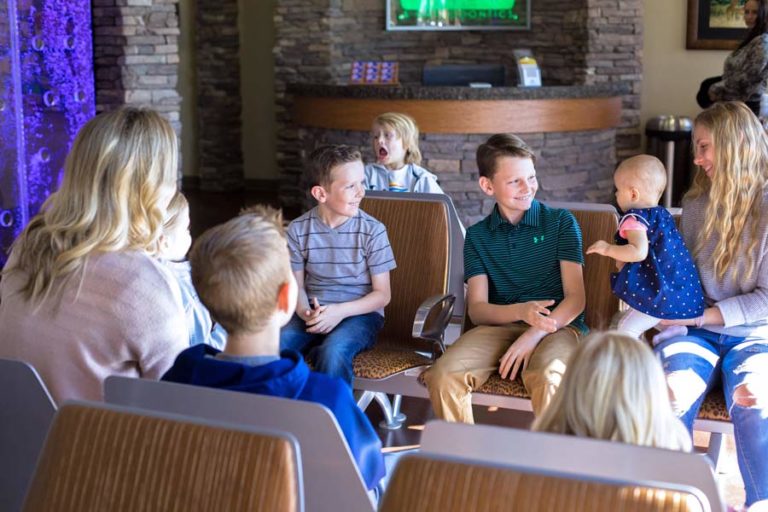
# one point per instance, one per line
(614, 54)
(220, 158)
(136, 62)
(136, 55)
(576, 42)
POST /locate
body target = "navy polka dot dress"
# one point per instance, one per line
(666, 283)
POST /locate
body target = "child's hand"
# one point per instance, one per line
(310, 313)
(535, 314)
(517, 355)
(324, 319)
(600, 247)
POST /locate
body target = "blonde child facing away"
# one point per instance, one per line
(395, 141)
(615, 390)
(174, 245)
(242, 272)
(658, 279)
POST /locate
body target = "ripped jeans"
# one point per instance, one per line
(691, 363)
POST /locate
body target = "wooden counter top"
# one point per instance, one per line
(463, 110)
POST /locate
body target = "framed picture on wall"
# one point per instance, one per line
(715, 24)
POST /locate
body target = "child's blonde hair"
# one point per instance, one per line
(647, 172)
(239, 267)
(614, 389)
(736, 187)
(176, 207)
(407, 130)
(109, 200)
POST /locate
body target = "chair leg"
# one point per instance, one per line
(716, 449)
(363, 398)
(390, 421)
(396, 403)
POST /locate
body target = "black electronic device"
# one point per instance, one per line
(464, 74)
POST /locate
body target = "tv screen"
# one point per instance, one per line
(458, 14)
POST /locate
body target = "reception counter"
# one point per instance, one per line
(462, 109)
(571, 128)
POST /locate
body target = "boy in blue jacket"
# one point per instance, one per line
(241, 271)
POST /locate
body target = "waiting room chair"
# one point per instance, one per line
(101, 457)
(331, 479)
(426, 239)
(26, 412)
(473, 467)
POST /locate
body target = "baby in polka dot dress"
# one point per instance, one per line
(657, 278)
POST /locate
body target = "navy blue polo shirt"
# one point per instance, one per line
(522, 261)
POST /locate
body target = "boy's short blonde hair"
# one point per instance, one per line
(239, 267)
(177, 205)
(498, 146)
(647, 172)
(406, 128)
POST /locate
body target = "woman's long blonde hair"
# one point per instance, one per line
(736, 189)
(118, 178)
(614, 389)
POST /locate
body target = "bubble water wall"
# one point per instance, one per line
(46, 95)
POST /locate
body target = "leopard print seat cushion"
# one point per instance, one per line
(383, 362)
(713, 407)
(498, 386)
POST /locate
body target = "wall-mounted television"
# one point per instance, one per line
(458, 14)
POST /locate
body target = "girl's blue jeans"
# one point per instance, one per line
(695, 362)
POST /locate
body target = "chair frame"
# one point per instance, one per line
(208, 422)
(575, 457)
(331, 479)
(25, 416)
(445, 304)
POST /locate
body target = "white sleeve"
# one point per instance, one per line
(428, 185)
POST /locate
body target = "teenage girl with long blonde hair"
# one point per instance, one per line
(81, 297)
(725, 222)
(614, 389)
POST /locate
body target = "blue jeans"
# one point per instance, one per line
(693, 364)
(333, 353)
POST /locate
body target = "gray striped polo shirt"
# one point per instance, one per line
(338, 263)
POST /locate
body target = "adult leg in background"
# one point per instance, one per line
(745, 385)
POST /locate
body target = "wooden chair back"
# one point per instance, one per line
(100, 457)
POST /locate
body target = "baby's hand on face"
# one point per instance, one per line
(600, 247)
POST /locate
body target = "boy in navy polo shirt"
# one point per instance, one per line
(525, 289)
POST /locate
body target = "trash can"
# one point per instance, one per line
(669, 139)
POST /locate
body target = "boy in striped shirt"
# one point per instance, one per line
(525, 289)
(341, 259)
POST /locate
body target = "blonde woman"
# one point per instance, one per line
(725, 222)
(82, 296)
(614, 389)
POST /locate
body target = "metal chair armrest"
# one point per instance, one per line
(436, 332)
